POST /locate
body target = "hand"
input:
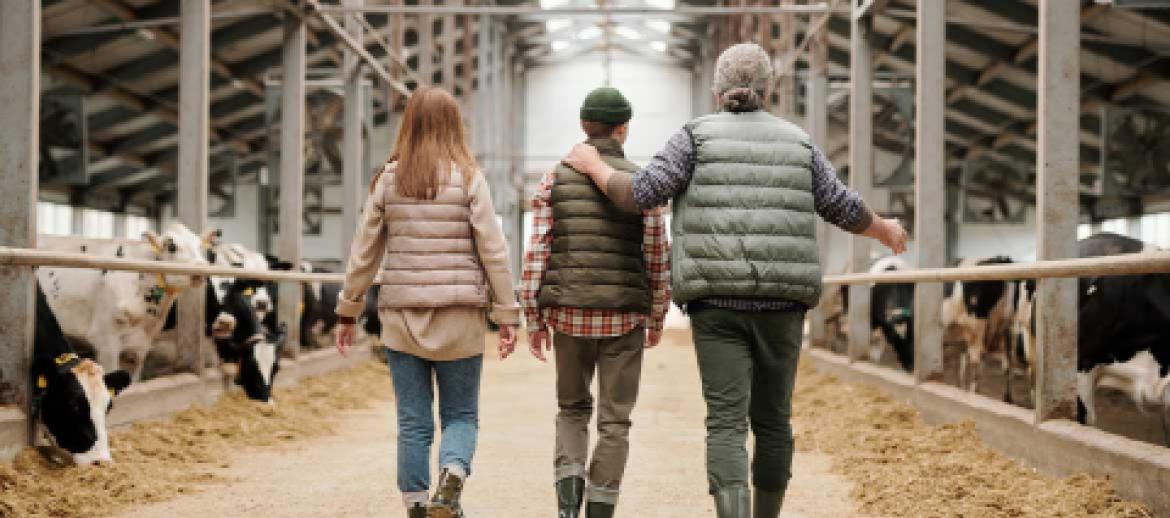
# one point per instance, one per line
(343, 338)
(507, 341)
(538, 343)
(584, 159)
(653, 338)
(889, 232)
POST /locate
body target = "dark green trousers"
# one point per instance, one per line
(747, 362)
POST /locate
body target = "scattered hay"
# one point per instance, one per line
(903, 467)
(157, 460)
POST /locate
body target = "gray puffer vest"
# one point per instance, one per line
(745, 225)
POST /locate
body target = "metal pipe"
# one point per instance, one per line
(532, 10)
(152, 22)
(32, 257)
(1127, 264)
(358, 48)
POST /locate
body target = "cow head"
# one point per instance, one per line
(179, 245)
(73, 397)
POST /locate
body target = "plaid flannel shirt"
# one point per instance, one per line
(585, 322)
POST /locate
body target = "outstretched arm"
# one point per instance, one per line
(843, 207)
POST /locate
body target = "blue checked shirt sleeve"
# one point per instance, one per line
(834, 202)
(536, 259)
(667, 174)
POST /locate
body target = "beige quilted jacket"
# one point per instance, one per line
(446, 253)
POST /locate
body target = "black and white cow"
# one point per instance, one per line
(250, 346)
(71, 395)
(119, 313)
(1123, 332)
(980, 314)
(891, 314)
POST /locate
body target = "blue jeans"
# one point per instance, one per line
(414, 379)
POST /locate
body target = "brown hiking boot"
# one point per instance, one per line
(445, 503)
(416, 511)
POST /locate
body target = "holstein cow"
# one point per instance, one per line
(891, 314)
(317, 303)
(234, 308)
(1123, 332)
(250, 345)
(119, 313)
(981, 314)
(71, 395)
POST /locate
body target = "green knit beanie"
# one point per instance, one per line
(606, 105)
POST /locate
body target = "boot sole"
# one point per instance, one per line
(442, 512)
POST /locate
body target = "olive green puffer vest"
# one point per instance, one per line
(596, 259)
(745, 225)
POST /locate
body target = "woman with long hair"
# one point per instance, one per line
(429, 226)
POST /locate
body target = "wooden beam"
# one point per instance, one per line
(125, 13)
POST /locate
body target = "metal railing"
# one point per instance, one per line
(1126, 264)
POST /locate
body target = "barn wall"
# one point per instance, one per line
(553, 103)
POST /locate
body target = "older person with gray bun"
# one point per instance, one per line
(747, 187)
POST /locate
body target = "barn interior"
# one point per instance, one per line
(266, 120)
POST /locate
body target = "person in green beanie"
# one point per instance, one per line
(597, 278)
(746, 188)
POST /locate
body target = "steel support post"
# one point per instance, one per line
(20, 91)
(448, 59)
(483, 99)
(352, 156)
(1057, 206)
(426, 45)
(292, 175)
(860, 175)
(930, 187)
(816, 116)
(192, 183)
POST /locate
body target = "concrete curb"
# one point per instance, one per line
(160, 397)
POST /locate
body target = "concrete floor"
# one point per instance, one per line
(351, 474)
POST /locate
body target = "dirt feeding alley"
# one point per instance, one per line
(327, 449)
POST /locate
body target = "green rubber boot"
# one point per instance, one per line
(570, 491)
(445, 503)
(733, 502)
(767, 504)
(599, 510)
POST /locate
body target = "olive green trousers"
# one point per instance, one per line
(747, 363)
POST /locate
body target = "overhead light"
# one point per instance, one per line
(557, 24)
(662, 26)
(661, 4)
(627, 32)
(660, 46)
(591, 32)
(559, 45)
(552, 4)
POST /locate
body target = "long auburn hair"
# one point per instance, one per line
(431, 138)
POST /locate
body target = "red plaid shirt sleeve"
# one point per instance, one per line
(539, 250)
(656, 253)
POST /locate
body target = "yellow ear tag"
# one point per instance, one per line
(42, 383)
(111, 391)
(248, 292)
